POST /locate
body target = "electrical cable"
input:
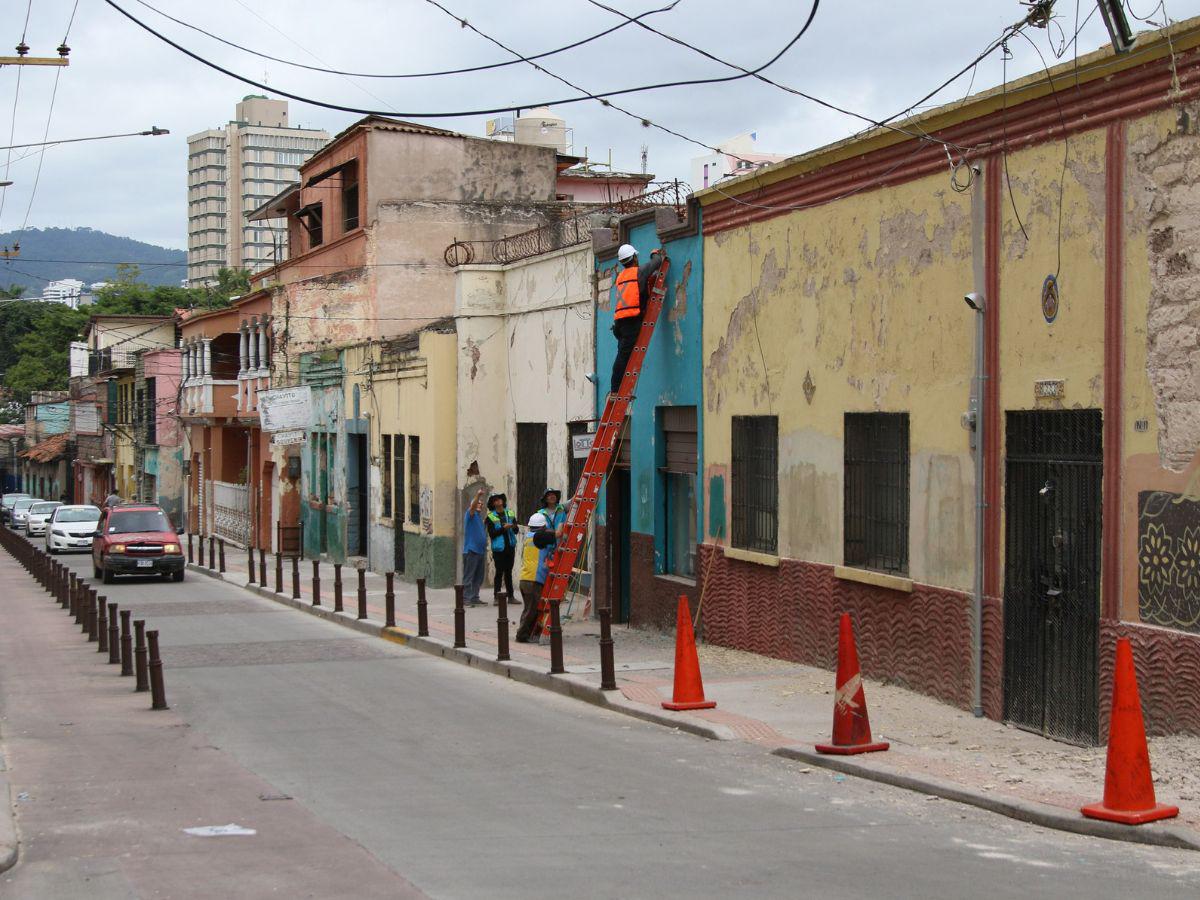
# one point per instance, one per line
(1004, 57)
(468, 69)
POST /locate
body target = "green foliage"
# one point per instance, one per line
(127, 295)
(35, 338)
(12, 292)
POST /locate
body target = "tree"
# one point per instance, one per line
(12, 292)
(43, 353)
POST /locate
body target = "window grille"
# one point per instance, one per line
(876, 491)
(754, 483)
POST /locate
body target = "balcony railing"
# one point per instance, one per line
(109, 358)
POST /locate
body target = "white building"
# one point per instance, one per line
(739, 154)
(231, 172)
(66, 290)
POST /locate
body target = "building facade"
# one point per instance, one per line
(159, 437)
(839, 454)
(233, 170)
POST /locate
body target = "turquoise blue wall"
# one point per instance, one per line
(323, 372)
(671, 376)
(55, 417)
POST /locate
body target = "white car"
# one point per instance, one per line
(71, 527)
(35, 522)
(20, 512)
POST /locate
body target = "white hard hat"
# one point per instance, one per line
(626, 252)
(537, 520)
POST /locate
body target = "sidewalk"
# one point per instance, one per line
(786, 707)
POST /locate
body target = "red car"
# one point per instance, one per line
(136, 539)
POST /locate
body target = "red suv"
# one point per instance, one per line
(136, 539)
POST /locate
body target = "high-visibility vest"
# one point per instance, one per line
(504, 539)
(629, 298)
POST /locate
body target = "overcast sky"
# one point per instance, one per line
(872, 56)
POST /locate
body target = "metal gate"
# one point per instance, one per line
(1053, 478)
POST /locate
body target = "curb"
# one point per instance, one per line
(8, 826)
(1043, 814)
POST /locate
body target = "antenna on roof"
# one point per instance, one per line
(645, 159)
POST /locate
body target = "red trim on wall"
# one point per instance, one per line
(1114, 336)
(1122, 95)
(992, 454)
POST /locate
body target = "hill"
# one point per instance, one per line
(48, 254)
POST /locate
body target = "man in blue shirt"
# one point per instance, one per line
(474, 550)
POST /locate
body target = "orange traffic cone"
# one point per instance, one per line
(1128, 787)
(689, 688)
(851, 727)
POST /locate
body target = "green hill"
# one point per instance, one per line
(48, 254)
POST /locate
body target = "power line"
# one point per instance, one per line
(151, 132)
(481, 68)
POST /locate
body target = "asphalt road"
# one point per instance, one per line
(460, 784)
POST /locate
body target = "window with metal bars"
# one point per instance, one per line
(531, 468)
(398, 476)
(414, 479)
(876, 492)
(385, 475)
(754, 483)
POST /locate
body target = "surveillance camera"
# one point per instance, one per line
(974, 300)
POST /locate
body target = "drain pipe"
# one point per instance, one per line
(975, 423)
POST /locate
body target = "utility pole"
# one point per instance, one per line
(24, 59)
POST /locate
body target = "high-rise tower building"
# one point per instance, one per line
(231, 172)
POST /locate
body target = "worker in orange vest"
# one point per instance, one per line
(633, 290)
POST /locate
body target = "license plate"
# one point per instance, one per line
(145, 563)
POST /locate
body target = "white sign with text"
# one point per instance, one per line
(286, 409)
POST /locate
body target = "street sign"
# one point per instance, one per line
(581, 444)
(286, 409)
(281, 438)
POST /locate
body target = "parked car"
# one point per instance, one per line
(39, 513)
(6, 504)
(20, 511)
(136, 539)
(72, 527)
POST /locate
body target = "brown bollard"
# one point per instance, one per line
(295, 577)
(126, 644)
(249, 564)
(102, 625)
(278, 572)
(502, 628)
(316, 582)
(221, 555)
(68, 602)
(158, 691)
(556, 648)
(93, 628)
(337, 587)
(389, 601)
(200, 557)
(89, 615)
(77, 612)
(422, 610)
(191, 553)
(262, 567)
(212, 551)
(608, 673)
(460, 618)
(114, 636)
(362, 593)
(139, 657)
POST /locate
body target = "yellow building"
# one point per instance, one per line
(839, 355)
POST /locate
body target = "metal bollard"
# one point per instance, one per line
(249, 564)
(93, 617)
(502, 628)
(65, 600)
(212, 551)
(200, 557)
(77, 612)
(221, 555)
(422, 610)
(460, 618)
(139, 657)
(389, 601)
(316, 582)
(158, 691)
(556, 648)
(608, 675)
(102, 625)
(262, 567)
(126, 644)
(87, 622)
(362, 593)
(114, 636)
(295, 577)
(73, 595)
(191, 554)
(278, 572)
(337, 587)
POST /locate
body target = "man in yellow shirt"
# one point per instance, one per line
(535, 561)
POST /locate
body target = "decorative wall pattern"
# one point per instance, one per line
(1169, 560)
(1167, 663)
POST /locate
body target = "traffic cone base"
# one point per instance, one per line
(838, 750)
(851, 726)
(1126, 817)
(688, 692)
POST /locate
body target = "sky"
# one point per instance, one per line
(869, 56)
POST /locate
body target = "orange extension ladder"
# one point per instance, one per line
(604, 445)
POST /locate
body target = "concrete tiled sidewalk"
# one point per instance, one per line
(779, 704)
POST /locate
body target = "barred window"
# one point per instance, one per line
(876, 491)
(754, 483)
(385, 475)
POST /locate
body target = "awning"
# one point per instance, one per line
(329, 173)
(278, 206)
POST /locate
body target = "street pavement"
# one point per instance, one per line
(369, 769)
